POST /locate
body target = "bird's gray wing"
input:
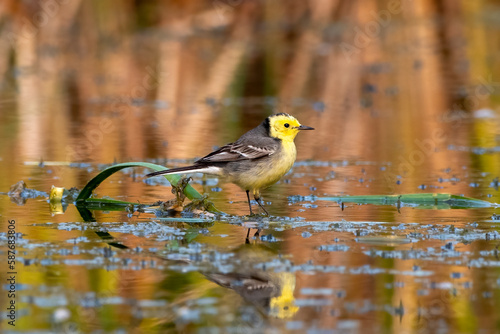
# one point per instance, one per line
(242, 150)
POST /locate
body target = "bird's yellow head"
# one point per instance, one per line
(284, 126)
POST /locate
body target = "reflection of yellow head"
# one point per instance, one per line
(283, 306)
(56, 208)
(56, 195)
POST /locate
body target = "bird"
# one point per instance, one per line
(257, 160)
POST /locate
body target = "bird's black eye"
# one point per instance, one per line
(287, 125)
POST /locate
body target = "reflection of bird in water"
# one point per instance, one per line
(271, 292)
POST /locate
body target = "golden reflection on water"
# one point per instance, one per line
(398, 91)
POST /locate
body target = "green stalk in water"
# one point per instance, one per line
(84, 199)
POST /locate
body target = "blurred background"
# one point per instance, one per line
(120, 80)
(404, 96)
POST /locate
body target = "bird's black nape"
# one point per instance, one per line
(267, 125)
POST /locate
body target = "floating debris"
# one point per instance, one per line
(19, 193)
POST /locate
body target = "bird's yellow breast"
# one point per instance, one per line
(269, 170)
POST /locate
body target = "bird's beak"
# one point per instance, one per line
(304, 127)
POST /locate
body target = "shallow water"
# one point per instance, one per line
(414, 111)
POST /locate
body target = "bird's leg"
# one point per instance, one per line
(249, 205)
(257, 198)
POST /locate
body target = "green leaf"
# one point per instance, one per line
(438, 201)
(84, 196)
(105, 204)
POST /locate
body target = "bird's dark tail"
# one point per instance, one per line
(187, 169)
